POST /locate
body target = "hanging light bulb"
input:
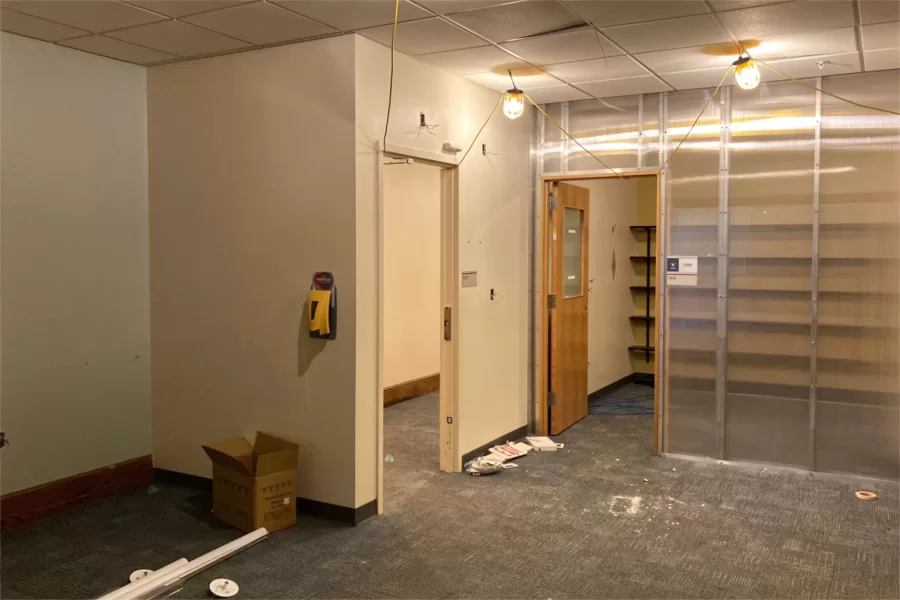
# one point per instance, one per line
(514, 103)
(746, 73)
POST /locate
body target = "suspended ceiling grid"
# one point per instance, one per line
(603, 48)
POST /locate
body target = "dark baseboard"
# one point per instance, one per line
(44, 500)
(642, 378)
(332, 512)
(645, 379)
(512, 436)
(412, 389)
(340, 514)
(192, 482)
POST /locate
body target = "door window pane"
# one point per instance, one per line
(572, 220)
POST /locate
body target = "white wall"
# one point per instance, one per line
(75, 297)
(412, 274)
(493, 223)
(616, 204)
(252, 190)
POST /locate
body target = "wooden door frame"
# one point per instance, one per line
(542, 425)
(448, 426)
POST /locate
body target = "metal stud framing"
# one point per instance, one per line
(722, 270)
(564, 139)
(640, 132)
(662, 245)
(814, 303)
(538, 133)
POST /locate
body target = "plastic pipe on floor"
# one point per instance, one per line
(185, 570)
(128, 590)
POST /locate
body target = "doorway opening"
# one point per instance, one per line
(598, 319)
(417, 428)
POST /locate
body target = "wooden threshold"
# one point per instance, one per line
(44, 500)
(412, 389)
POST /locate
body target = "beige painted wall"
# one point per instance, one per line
(493, 223)
(412, 274)
(75, 321)
(616, 204)
(251, 191)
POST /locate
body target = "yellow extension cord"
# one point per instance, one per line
(571, 137)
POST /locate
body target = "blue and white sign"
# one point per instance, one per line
(681, 270)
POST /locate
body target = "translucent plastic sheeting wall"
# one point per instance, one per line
(788, 349)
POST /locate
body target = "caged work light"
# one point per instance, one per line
(746, 73)
(514, 103)
(513, 100)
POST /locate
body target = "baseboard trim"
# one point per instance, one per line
(645, 379)
(332, 512)
(512, 436)
(412, 389)
(26, 506)
(339, 514)
(642, 378)
(191, 482)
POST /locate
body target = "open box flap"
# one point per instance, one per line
(236, 454)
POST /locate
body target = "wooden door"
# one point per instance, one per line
(569, 307)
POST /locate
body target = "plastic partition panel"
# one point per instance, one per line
(858, 387)
(553, 139)
(649, 146)
(692, 187)
(608, 128)
(770, 247)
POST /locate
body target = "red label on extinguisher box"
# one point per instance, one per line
(323, 280)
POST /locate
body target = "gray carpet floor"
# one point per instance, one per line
(599, 519)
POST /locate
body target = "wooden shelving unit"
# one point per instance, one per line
(647, 290)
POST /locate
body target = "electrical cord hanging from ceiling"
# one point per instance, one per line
(387, 119)
(812, 87)
(571, 137)
(694, 124)
(483, 125)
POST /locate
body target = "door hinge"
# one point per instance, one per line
(552, 202)
(551, 301)
(447, 323)
(551, 398)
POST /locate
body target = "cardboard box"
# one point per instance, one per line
(255, 485)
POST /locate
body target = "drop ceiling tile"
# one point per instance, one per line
(350, 15)
(616, 67)
(880, 60)
(179, 38)
(683, 59)
(508, 22)
(835, 41)
(789, 18)
(180, 8)
(682, 32)
(878, 11)
(630, 86)
(104, 46)
(832, 64)
(424, 37)
(526, 79)
(604, 13)
(92, 15)
(472, 60)
(698, 79)
(260, 24)
(722, 5)
(556, 93)
(881, 36)
(446, 7)
(34, 27)
(563, 47)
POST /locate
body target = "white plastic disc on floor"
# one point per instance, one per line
(223, 588)
(139, 574)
